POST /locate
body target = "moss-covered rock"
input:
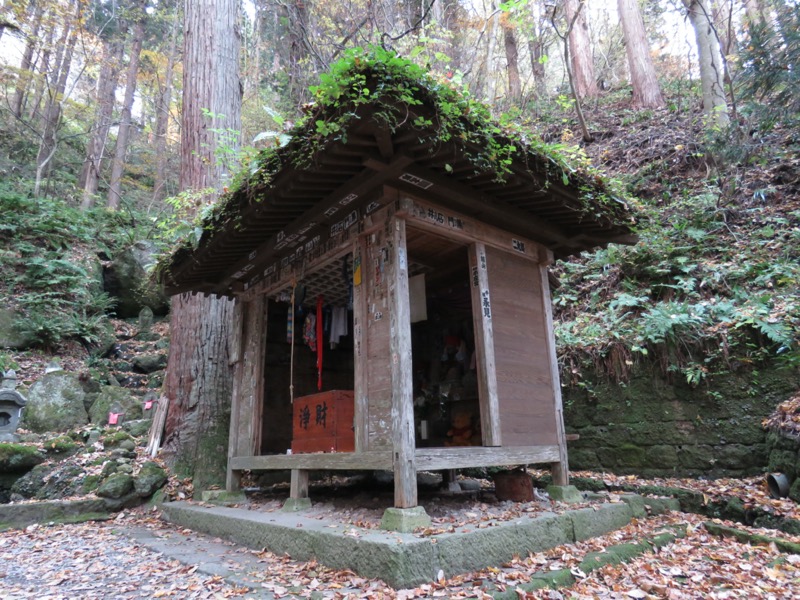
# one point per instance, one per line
(149, 363)
(150, 478)
(55, 403)
(61, 445)
(19, 458)
(90, 483)
(116, 486)
(138, 427)
(117, 400)
(115, 439)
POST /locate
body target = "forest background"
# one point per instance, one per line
(691, 106)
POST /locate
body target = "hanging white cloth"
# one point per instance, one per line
(338, 324)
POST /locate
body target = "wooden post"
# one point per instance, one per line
(560, 469)
(484, 346)
(248, 386)
(403, 444)
(360, 310)
(298, 486)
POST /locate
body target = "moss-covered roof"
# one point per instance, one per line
(379, 120)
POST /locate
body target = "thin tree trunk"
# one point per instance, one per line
(104, 111)
(580, 51)
(722, 14)
(42, 66)
(199, 377)
(162, 116)
(712, 75)
(52, 117)
(512, 62)
(118, 166)
(488, 66)
(646, 91)
(25, 72)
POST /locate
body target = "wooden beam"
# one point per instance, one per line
(358, 186)
(459, 226)
(486, 208)
(434, 459)
(328, 461)
(403, 443)
(560, 467)
(484, 346)
(426, 459)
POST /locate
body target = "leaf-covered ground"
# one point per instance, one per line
(110, 560)
(99, 560)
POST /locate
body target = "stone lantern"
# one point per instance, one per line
(11, 404)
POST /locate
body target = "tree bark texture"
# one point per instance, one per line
(580, 51)
(646, 91)
(198, 381)
(118, 165)
(712, 75)
(512, 62)
(103, 113)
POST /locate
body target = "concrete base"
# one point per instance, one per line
(405, 520)
(565, 493)
(401, 559)
(223, 497)
(296, 504)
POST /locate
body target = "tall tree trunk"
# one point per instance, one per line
(512, 62)
(42, 66)
(646, 91)
(199, 377)
(118, 166)
(580, 51)
(104, 111)
(712, 74)
(536, 50)
(25, 72)
(52, 115)
(163, 104)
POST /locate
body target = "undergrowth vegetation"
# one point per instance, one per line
(51, 275)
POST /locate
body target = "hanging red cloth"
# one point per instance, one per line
(320, 344)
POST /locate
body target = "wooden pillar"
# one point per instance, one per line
(298, 485)
(484, 346)
(247, 403)
(560, 469)
(403, 443)
(360, 310)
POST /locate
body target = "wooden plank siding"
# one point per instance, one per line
(524, 377)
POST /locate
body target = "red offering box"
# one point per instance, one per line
(324, 423)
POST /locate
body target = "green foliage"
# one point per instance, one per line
(771, 81)
(50, 272)
(690, 296)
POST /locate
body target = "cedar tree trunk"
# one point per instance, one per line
(198, 381)
(646, 92)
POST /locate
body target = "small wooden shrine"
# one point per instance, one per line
(393, 299)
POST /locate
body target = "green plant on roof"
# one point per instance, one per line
(400, 93)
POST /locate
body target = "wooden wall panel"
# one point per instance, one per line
(524, 377)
